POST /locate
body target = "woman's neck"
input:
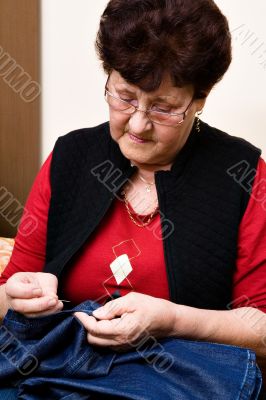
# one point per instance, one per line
(147, 171)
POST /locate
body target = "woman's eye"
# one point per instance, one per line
(125, 99)
(131, 101)
(161, 108)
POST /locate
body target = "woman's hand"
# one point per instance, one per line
(33, 294)
(122, 322)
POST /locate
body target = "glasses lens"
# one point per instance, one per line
(118, 104)
(165, 118)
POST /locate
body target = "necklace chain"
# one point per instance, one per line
(143, 224)
(144, 180)
(148, 185)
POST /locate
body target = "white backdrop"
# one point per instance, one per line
(73, 82)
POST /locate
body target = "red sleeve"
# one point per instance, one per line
(250, 277)
(30, 241)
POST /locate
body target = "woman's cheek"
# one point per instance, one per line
(116, 133)
(117, 127)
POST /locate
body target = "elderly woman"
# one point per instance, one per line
(156, 208)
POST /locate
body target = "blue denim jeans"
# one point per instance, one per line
(8, 394)
(50, 358)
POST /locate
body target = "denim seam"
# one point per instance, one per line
(80, 362)
(244, 392)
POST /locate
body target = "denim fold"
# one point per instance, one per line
(50, 358)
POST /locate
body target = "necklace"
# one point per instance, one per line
(148, 185)
(136, 222)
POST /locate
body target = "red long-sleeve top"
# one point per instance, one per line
(98, 269)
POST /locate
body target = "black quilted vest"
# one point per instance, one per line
(201, 200)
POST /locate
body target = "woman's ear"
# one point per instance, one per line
(200, 103)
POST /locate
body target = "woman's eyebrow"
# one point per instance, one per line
(121, 86)
(166, 98)
(171, 100)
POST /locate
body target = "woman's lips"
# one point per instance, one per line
(137, 139)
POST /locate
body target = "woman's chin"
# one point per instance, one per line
(135, 155)
(141, 153)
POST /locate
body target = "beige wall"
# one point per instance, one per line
(73, 81)
(19, 107)
(238, 103)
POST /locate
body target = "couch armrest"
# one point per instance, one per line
(6, 248)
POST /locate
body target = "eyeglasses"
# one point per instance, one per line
(154, 114)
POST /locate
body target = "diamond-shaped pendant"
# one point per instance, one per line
(148, 189)
(121, 268)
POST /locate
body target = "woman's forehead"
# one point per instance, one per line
(166, 87)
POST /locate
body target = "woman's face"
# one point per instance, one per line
(145, 143)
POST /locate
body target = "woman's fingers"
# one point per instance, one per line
(50, 311)
(33, 293)
(23, 286)
(22, 291)
(35, 305)
(88, 321)
(99, 332)
(26, 285)
(103, 328)
(96, 341)
(118, 333)
(48, 282)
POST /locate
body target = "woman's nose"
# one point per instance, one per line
(139, 122)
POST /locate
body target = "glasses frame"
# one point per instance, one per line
(132, 109)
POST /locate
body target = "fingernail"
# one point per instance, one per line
(52, 302)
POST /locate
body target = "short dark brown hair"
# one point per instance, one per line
(144, 39)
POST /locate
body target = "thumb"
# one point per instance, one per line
(114, 308)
